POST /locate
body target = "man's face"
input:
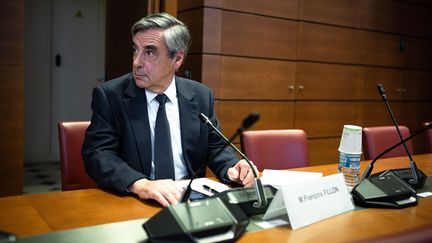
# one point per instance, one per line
(152, 68)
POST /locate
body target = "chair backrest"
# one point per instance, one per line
(428, 138)
(276, 149)
(71, 138)
(377, 139)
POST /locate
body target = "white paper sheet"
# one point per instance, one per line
(204, 185)
(278, 178)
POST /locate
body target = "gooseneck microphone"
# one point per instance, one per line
(370, 167)
(386, 189)
(247, 122)
(391, 188)
(259, 189)
(411, 175)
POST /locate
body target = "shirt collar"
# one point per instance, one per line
(170, 92)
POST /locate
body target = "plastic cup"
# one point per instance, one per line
(351, 140)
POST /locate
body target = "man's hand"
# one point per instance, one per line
(166, 192)
(242, 173)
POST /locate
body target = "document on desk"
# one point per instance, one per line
(278, 178)
(204, 185)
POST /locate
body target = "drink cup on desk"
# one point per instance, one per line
(350, 151)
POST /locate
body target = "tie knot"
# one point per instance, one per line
(161, 98)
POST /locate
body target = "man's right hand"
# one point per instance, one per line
(166, 192)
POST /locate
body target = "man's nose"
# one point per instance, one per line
(138, 61)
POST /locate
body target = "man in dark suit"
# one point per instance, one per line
(123, 148)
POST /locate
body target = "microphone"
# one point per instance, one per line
(252, 202)
(208, 220)
(385, 189)
(247, 122)
(369, 169)
(413, 176)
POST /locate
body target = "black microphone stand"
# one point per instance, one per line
(259, 190)
(247, 122)
(418, 178)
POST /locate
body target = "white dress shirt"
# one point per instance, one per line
(173, 115)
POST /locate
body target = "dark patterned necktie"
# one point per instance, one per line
(163, 158)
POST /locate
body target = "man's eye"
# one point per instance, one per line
(150, 53)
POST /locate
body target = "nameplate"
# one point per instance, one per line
(311, 201)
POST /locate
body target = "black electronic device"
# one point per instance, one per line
(244, 197)
(413, 176)
(386, 189)
(247, 122)
(260, 202)
(200, 220)
(209, 220)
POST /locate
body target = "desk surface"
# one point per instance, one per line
(43, 213)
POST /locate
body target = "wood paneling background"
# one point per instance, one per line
(313, 64)
(11, 96)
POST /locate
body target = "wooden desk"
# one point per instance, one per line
(42, 213)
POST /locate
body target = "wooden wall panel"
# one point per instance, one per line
(212, 31)
(328, 44)
(258, 36)
(324, 151)
(277, 8)
(376, 114)
(194, 20)
(329, 55)
(211, 72)
(391, 79)
(248, 78)
(373, 113)
(273, 114)
(383, 15)
(382, 49)
(329, 81)
(11, 96)
(11, 34)
(325, 119)
(346, 13)
(418, 53)
(417, 85)
(418, 20)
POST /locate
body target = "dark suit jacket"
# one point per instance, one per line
(117, 145)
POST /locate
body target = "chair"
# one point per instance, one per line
(71, 138)
(276, 149)
(378, 139)
(428, 138)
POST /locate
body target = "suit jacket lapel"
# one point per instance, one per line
(136, 107)
(189, 120)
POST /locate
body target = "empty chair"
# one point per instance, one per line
(428, 138)
(71, 138)
(377, 139)
(276, 149)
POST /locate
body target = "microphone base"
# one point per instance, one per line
(208, 220)
(384, 190)
(245, 198)
(406, 175)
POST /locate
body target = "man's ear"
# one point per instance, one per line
(178, 60)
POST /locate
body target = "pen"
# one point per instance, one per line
(207, 188)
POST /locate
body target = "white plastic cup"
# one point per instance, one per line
(351, 140)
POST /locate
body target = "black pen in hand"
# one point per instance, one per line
(207, 188)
